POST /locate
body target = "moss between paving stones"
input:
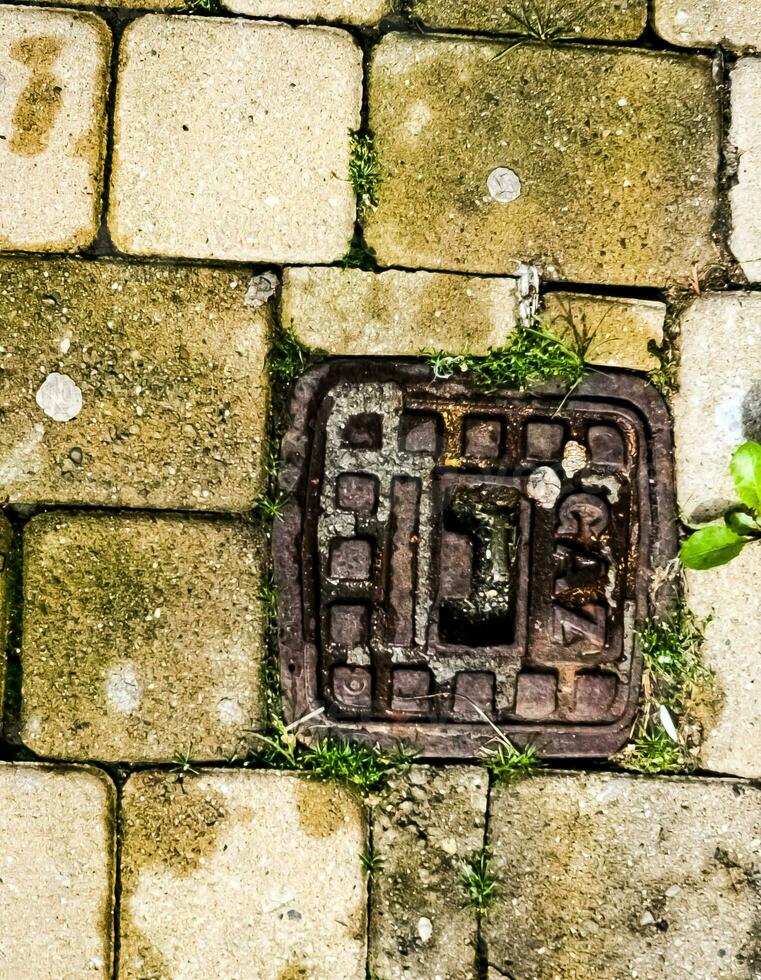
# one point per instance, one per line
(617, 152)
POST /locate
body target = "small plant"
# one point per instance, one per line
(202, 6)
(534, 354)
(478, 880)
(364, 172)
(182, 766)
(718, 543)
(269, 506)
(654, 754)
(508, 764)
(287, 358)
(372, 862)
(548, 21)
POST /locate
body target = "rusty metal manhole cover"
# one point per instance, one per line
(449, 556)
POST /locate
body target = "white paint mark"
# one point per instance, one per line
(544, 487)
(123, 688)
(229, 712)
(574, 458)
(424, 929)
(59, 397)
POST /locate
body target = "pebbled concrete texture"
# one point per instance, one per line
(253, 165)
(351, 312)
(614, 20)
(745, 138)
(161, 381)
(142, 638)
(615, 152)
(341, 11)
(707, 23)
(57, 867)
(54, 66)
(241, 874)
(420, 926)
(614, 876)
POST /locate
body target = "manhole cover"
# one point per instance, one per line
(450, 560)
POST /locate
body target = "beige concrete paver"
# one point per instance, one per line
(616, 20)
(619, 331)
(348, 311)
(745, 136)
(420, 925)
(57, 856)
(707, 23)
(338, 11)
(231, 140)
(717, 408)
(600, 165)
(612, 876)
(142, 637)
(163, 384)
(254, 875)
(53, 80)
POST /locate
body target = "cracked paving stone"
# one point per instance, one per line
(616, 150)
(241, 874)
(161, 375)
(615, 20)
(420, 925)
(57, 859)
(142, 638)
(351, 312)
(615, 876)
(253, 167)
(54, 67)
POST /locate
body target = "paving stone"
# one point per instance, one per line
(57, 857)
(612, 876)
(340, 11)
(420, 925)
(241, 874)
(745, 135)
(255, 165)
(615, 154)
(616, 20)
(142, 637)
(347, 311)
(621, 330)
(54, 68)
(169, 365)
(707, 23)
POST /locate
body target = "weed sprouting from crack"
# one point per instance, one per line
(478, 880)
(534, 354)
(675, 681)
(366, 769)
(546, 21)
(509, 764)
(372, 862)
(202, 6)
(182, 766)
(364, 172)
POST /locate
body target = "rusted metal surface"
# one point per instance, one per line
(448, 557)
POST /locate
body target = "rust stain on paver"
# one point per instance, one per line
(321, 808)
(40, 102)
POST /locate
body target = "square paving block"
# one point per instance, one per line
(617, 877)
(499, 574)
(597, 164)
(57, 868)
(254, 875)
(231, 140)
(142, 638)
(54, 67)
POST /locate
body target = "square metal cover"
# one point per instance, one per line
(448, 557)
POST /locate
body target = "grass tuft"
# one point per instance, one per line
(509, 765)
(182, 766)
(287, 358)
(202, 6)
(372, 862)
(368, 770)
(479, 881)
(656, 753)
(364, 172)
(534, 354)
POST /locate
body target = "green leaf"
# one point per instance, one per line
(711, 546)
(746, 472)
(742, 522)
